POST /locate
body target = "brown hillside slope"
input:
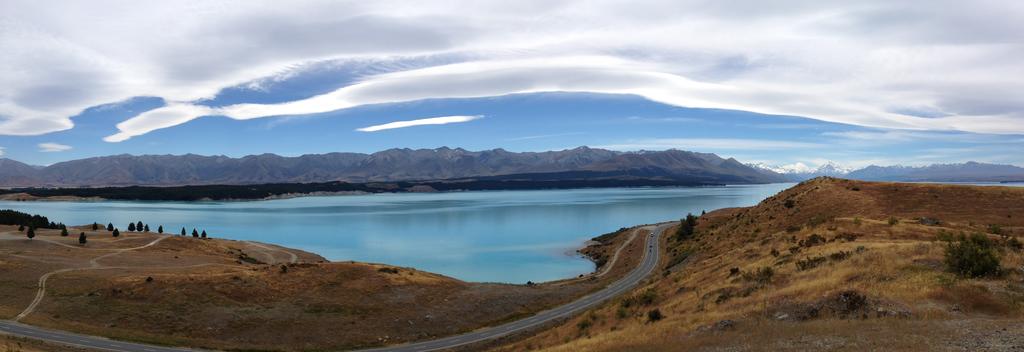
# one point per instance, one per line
(238, 295)
(231, 295)
(829, 264)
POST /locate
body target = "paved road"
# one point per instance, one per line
(67, 338)
(648, 264)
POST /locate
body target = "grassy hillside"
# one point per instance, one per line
(239, 295)
(829, 264)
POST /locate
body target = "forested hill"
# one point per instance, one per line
(391, 165)
(266, 191)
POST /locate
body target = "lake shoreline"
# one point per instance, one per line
(507, 236)
(257, 192)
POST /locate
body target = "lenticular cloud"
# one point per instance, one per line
(578, 74)
(924, 65)
(441, 120)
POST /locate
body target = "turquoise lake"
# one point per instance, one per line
(497, 236)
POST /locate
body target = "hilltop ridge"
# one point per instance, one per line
(830, 264)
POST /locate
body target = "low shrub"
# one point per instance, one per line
(839, 256)
(648, 297)
(388, 270)
(809, 263)
(945, 236)
(679, 257)
(1014, 244)
(812, 240)
(761, 276)
(621, 313)
(654, 315)
(847, 237)
(973, 256)
(995, 229)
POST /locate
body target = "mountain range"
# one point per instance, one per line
(962, 172)
(385, 166)
(800, 171)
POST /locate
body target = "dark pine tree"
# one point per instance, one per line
(204, 234)
(147, 228)
(159, 230)
(64, 232)
(81, 238)
(95, 226)
(182, 231)
(686, 227)
(131, 227)
(31, 233)
(110, 227)
(11, 217)
(117, 233)
(139, 226)
(21, 228)
(195, 233)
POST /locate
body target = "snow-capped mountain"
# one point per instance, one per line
(965, 172)
(799, 171)
(832, 169)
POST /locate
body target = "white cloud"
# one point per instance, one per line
(53, 147)
(441, 120)
(870, 63)
(574, 74)
(876, 137)
(1, 151)
(708, 144)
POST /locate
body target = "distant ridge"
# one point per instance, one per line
(963, 172)
(384, 166)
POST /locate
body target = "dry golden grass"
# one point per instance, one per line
(19, 344)
(894, 274)
(223, 294)
(888, 334)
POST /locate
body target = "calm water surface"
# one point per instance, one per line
(504, 236)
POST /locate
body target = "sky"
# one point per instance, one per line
(858, 83)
